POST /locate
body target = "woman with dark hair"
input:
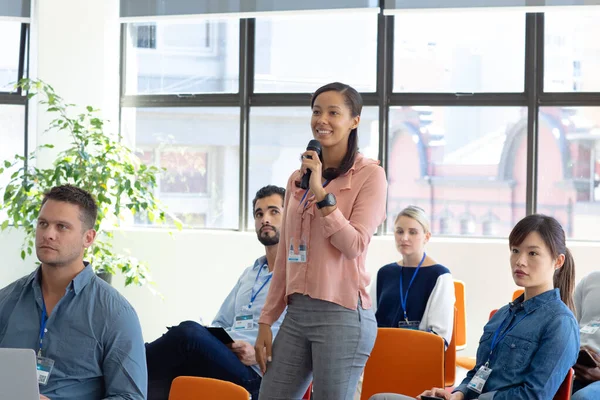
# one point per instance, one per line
(529, 345)
(329, 329)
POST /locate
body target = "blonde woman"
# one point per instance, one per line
(416, 292)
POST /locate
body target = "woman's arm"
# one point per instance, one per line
(352, 236)
(439, 313)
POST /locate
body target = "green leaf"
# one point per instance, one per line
(4, 225)
(22, 254)
(7, 164)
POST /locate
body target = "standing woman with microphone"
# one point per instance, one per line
(329, 329)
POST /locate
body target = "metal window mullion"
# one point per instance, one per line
(246, 73)
(385, 67)
(534, 74)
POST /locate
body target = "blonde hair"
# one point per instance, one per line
(416, 213)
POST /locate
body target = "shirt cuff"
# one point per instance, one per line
(463, 389)
(487, 396)
(334, 223)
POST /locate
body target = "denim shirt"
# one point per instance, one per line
(93, 335)
(533, 359)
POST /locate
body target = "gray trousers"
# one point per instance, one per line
(322, 342)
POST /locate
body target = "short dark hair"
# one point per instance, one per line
(88, 209)
(267, 191)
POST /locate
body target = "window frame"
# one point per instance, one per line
(532, 98)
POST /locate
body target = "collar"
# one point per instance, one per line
(535, 302)
(77, 284)
(259, 263)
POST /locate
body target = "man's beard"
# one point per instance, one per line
(268, 240)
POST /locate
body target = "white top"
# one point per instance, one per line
(587, 307)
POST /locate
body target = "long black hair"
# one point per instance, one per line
(553, 236)
(354, 101)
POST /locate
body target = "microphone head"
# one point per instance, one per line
(314, 145)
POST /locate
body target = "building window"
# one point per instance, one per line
(145, 36)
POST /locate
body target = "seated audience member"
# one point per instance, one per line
(587, 309)
(529, 345)
(66, 314)
(415, 292)
(189, 349)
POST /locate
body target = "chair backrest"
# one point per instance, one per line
(493, 312)
(461, 315)
(193, 388)
(564, 391)
(404, 361)
(450, 357)
(517, 293)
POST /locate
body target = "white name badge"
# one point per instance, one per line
(478, 381)
(44, 369)
(243, 322)
(591, 328)
(297, 258)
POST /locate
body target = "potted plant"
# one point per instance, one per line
(96, 161)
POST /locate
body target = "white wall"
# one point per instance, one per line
(195, 270)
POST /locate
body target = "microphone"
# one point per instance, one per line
(313, 145)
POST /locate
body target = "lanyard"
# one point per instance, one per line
(254, 294)
(404, 298)
(497, 339)
(42, 326)
(305, 193)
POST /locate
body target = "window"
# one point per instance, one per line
(144, 36)
(275, 154)
(302, 53)
(10, 32)
(569, 165)
(572, 51)
(167, 57)
(199, 150)
(459, 52)
(12, 123)
(458, 161)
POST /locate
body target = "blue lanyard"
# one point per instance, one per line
(403, 298)
(254, 294)
(497, 339)
(42, 326)
(305, 193)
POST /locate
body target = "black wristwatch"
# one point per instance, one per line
(328, 201)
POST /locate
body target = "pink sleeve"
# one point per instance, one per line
(275, 302)
(351, 237)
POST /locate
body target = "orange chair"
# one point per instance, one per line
(517, 293)
(564, 391)
(450, 357)
(193, 388)
(461, 316)
(404, 361)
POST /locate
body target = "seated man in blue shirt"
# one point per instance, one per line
(189, 349)
(68, 315)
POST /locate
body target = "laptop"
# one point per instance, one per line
(18, 375)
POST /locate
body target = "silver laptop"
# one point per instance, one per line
(18, 375)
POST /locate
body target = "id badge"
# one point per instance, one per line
(478, 381)
(44, 369)
(301, 256)
(243, 322)
(591, 328)
(413, 325)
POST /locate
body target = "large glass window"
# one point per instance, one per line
(572, 51)
(280, 134)
(302, 53)
(465, 166)
(199, 151)
(569, 165)
(12, 129)
(459, 52)
(165, 57)
(10, 34)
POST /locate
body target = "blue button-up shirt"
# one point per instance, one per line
(534, 357)
(239, 298)
(93, 335)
